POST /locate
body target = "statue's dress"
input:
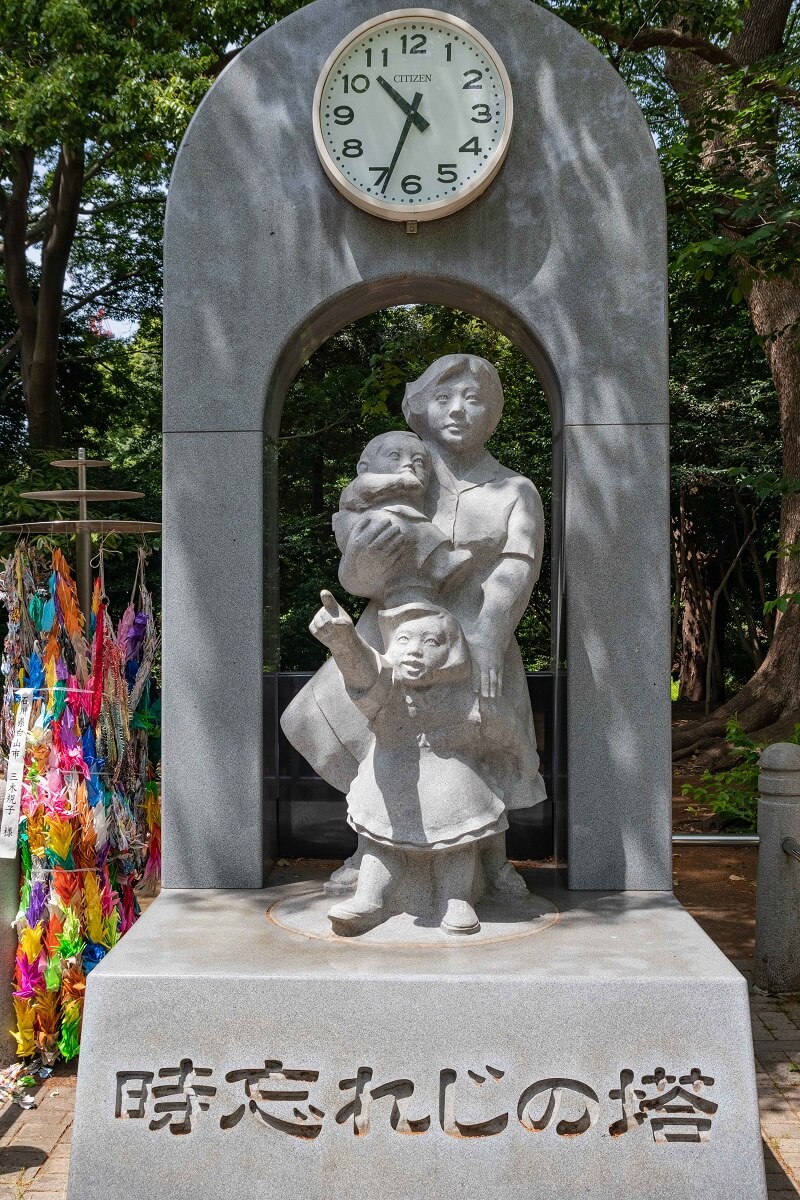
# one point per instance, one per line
(492, 512)
(428, 780)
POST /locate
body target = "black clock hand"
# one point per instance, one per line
(419, 120)
(401, 140)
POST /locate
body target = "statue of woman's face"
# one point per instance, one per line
(458, 415)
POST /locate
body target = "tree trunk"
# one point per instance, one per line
(694, 635)
(39, 313)
(775, 310)
(773, 691)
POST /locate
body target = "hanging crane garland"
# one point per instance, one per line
(89, 829)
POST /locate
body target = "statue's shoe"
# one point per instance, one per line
(508, 882)
(350, 917)
(460, 917)
(342, 882)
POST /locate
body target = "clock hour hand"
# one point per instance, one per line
(419, 120)
(412, 112)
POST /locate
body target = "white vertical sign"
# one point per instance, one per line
(16, 763)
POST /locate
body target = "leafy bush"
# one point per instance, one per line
(733, 794)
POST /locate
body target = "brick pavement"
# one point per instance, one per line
(35, 1143)
(776, 1041)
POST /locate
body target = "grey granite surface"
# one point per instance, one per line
(211, 660)
(618, 612)
(480, 1052)
(777, 958)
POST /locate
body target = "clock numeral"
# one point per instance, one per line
(382, 172)
(384, 56)
(418, 43)
(343, 114)
(470, 147)
(448, 49)
(359, 83)
(447, 172)
(484, 114)
(473, 79)
(352, 148)
(411, 185)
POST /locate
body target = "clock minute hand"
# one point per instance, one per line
(401, 140)
(418, 119)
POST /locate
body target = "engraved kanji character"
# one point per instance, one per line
(183, 1097)
(360, 1107)
(556, 1090)
(257, 1086)
(132, 1086)
(630, 1097)
(691, 1121)
(696, 1112)
(447, 1106)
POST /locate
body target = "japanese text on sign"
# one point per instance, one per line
(675, 1107)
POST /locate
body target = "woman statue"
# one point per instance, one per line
(482, 508)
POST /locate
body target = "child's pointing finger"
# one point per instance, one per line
(329, 602)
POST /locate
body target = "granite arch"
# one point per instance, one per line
(565, 253)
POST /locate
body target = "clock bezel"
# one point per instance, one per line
(433, 209)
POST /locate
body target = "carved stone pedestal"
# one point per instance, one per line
(604, 1053)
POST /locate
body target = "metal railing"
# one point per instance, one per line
(791, 846)
(715, 839)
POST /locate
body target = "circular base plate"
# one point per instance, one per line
(502, 918)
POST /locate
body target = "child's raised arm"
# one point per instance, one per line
(357, 661)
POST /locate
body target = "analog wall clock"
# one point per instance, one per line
(412, 115)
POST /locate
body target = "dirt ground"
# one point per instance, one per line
(716, 883)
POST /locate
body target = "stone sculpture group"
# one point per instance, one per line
(422, 714)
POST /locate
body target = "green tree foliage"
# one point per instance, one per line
(95, 96)
(112, 407)
(726, 468)
(732, 794)
(717, 81)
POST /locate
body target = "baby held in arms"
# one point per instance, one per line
(392, 480)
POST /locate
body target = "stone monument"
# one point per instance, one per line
(587, 1038)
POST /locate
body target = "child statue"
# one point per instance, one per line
(428, 785)
(392, 478)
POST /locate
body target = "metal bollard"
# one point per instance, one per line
(778, 896)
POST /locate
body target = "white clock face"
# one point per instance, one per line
(412, 115)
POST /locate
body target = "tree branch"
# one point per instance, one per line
(673, 39)
(292, 437)
(14, 227)
(227, 57)
(114, 204)
(702, 48)
(62, 219)
(10, 351)
(96, 167)
(113, 285)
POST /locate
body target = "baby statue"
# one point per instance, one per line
(392, 478)
(428, 785)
